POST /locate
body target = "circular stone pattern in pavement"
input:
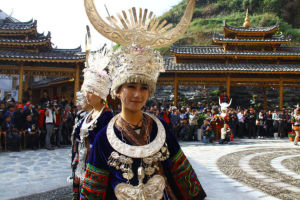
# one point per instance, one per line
(274, 171)
(293, 164)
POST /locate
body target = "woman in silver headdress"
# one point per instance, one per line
(95, 88)
(83, 109)
(136, 156)
(296, 125)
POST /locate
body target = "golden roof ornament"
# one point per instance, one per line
(140, 27)
(247, 20)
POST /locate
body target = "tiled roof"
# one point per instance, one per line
(220, 37)
(216, 50)
(40, 38)
(252, 29)
(49, 80)
(54, 54)
(171, 66)
(6, 25)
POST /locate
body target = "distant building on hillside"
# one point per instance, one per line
(245, 56)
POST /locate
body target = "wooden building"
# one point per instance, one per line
(27, 53)
(241, 56)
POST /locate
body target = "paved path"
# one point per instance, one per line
(30, 172)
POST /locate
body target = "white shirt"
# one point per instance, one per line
(50, 118)
(240, 117)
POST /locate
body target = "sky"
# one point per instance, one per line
(67, 20)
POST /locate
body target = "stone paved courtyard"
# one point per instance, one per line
(245, 169)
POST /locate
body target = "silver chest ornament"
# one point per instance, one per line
(152, 190)
(82, 146)
(150, 155)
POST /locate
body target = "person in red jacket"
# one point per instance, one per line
(41, 124)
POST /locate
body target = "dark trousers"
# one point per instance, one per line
(233, 128)
(241, 130)
(260, 131)
(14, 141)
(57, 137)
(269, 130)
(66, 132)
(281, 129)
(176, 129)
(251, 130)
(194, 132)
(32, 140)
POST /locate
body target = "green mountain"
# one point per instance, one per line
(210, 14)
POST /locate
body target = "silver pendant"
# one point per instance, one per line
(152, 190)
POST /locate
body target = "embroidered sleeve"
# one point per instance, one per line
(94, 184)
(293, 120)
(185, 177)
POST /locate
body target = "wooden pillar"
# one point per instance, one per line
(21, 74)
(228, 87)
(30, 81)
(281, 94)
(58, 92)
(175, 90)
(50, 91)
(76, 80)
(26, 85)
(265, 98)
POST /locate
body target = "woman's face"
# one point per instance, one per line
(133, 96)
(93, 99)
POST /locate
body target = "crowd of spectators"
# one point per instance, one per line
(46, 124)
(243, 123)
(50, 122)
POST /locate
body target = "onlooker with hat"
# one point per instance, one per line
(19, 118)
(41, 124)
(10, 111)
(13, 137)
(185, 130)
(29, 110)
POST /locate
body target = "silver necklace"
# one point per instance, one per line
(137, 151)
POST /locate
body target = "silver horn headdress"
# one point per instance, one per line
(96, 78)
(224, 105)
(139, 31)
(142, 28)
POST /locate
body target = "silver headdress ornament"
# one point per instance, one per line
(139, 33)
(224, 105)
(96, 78)
(80, 98)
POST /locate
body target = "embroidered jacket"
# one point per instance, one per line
(101, 179)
